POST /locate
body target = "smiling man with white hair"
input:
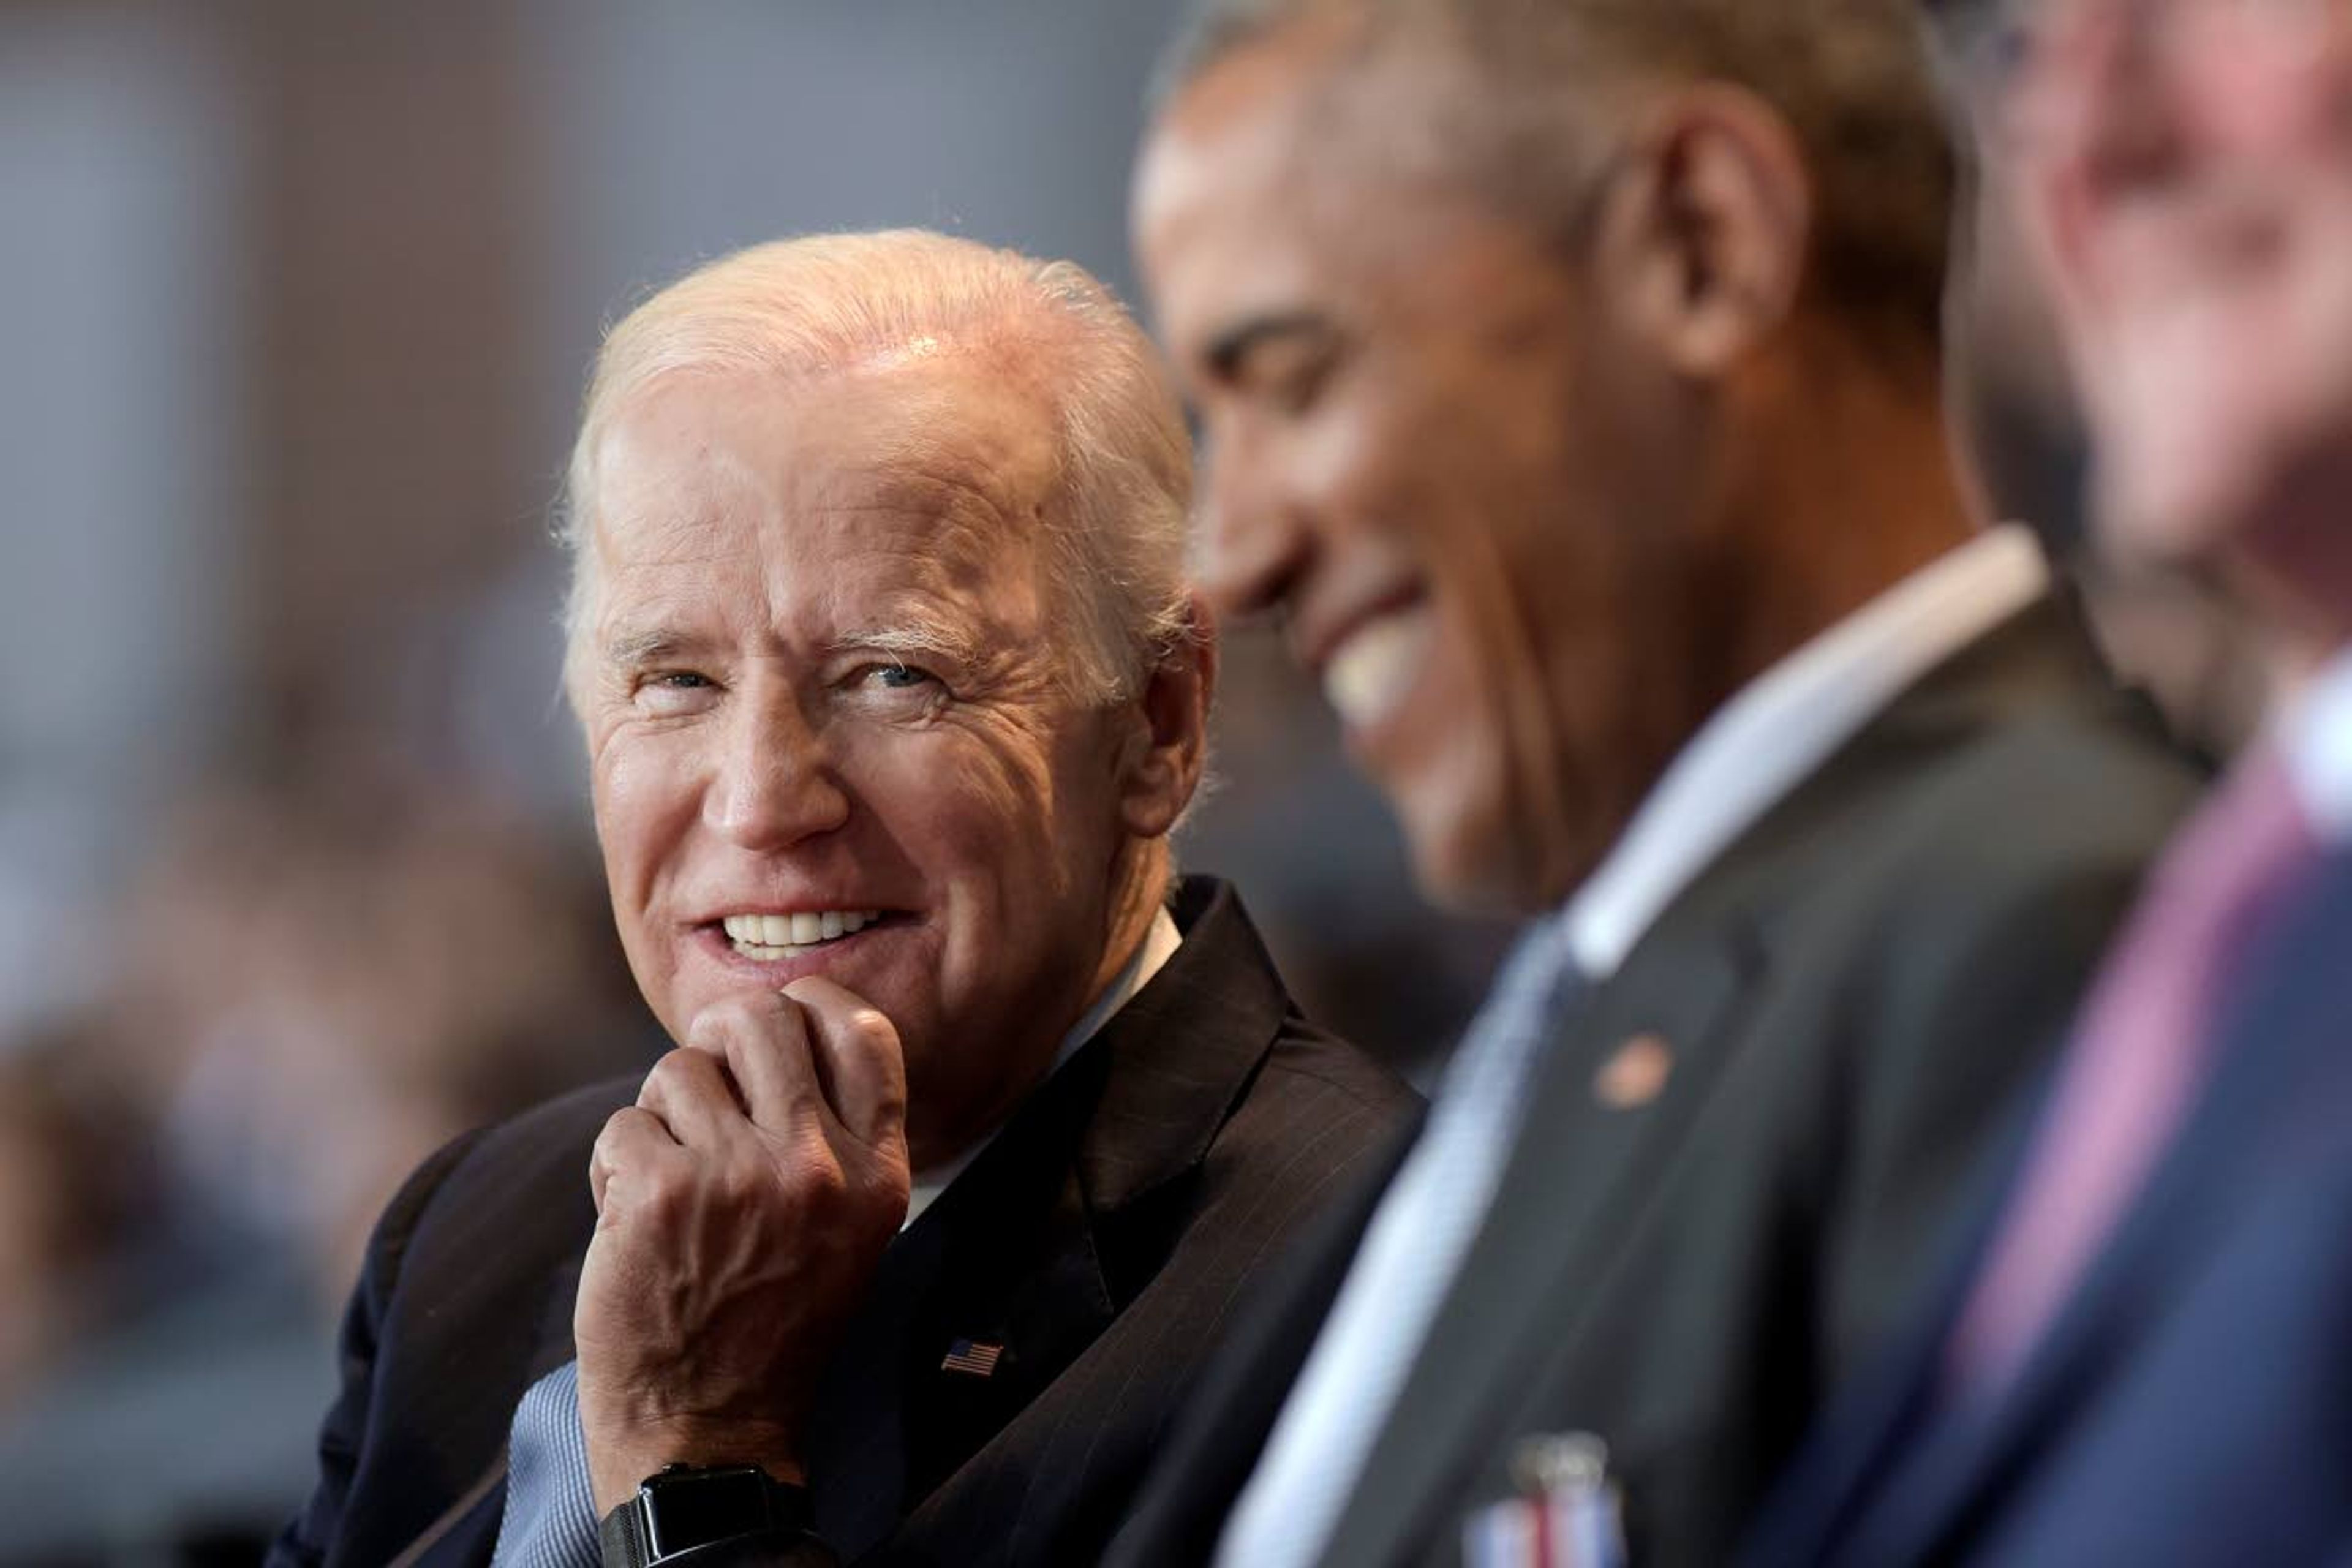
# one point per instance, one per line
(893, 689)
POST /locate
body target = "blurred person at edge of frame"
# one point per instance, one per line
(1571, 379)
(336, 976)
(2163, 626)
(894, 689)
(317, 979)
(2140, 1354)
(70, 1198)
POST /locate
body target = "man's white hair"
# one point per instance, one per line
(1113, 547)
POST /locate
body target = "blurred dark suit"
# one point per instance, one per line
(1850, 996)
(2192, 1402)
(1102, 1239)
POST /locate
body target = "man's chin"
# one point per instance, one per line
(1471, 863)
(2173, 498)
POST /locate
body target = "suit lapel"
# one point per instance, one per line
(1034, 1251)
(1226, 1424)
(1550, 1225)
(1967, 1455)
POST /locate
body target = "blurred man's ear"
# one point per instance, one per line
(1703, 230)
(1162, 767)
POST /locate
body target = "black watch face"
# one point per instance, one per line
(699, 1507)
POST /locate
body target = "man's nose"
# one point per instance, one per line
(1253, 543)
(2091, 100)
(776, 781)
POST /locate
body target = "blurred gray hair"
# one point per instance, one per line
(1851, 77)
(1113, 550)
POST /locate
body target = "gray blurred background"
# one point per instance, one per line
(296, 878)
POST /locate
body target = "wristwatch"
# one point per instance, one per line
(681, 1507)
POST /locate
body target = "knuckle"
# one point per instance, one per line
(661, 1077)
(612, 1138)
(680, 1073)
(709, 1031)
(668, 1188)
(810, 1171)
(871, 1029)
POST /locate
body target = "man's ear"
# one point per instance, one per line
(1703, 233)
(1162, 769)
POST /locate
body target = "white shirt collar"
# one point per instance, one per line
(1159, 945)
(1785, 724)
(2315, 729)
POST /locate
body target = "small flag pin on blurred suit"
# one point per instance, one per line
(974, 1358)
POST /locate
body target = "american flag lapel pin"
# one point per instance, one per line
(972, 1358)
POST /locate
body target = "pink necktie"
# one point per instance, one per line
(2140, 1051)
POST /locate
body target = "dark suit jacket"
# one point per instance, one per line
(1103, 1239)
(2192, 1402)
(1850, 995)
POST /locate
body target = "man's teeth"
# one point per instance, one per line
(1372, 669)
(789, 936)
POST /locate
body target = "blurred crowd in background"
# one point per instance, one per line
(296, 879)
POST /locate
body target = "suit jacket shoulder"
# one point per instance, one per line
(1098, 1243)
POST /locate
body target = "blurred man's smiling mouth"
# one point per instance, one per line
(1369, 670)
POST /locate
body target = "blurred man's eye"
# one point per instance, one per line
(1289, 373)
(1993, 45)
(1280, 358)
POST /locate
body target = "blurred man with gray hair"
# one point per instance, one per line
(2142, 1353)
(894, 689)
(1572, 377)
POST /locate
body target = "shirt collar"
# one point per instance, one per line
(2315, 732)
(1785, 724)
(1159, 945)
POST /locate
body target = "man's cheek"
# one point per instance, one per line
(2187, 390)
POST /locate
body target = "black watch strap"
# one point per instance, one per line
(682, 1509)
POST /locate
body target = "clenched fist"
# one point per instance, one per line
(742, 1206)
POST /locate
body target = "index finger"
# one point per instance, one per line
(859, 1059)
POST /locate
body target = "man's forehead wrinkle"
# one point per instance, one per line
(949, 568)
(657, 539)
(939, 572)
(663, 513)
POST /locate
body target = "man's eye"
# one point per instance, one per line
(1295, 391)
(1289, 373)
(674, 690)
(896, 677)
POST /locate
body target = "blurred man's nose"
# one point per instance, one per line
(1252, 541)
(774, 783)
(2090, 97)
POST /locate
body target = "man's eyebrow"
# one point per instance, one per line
(633, 646)
(1229, 350)
(914, 636)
